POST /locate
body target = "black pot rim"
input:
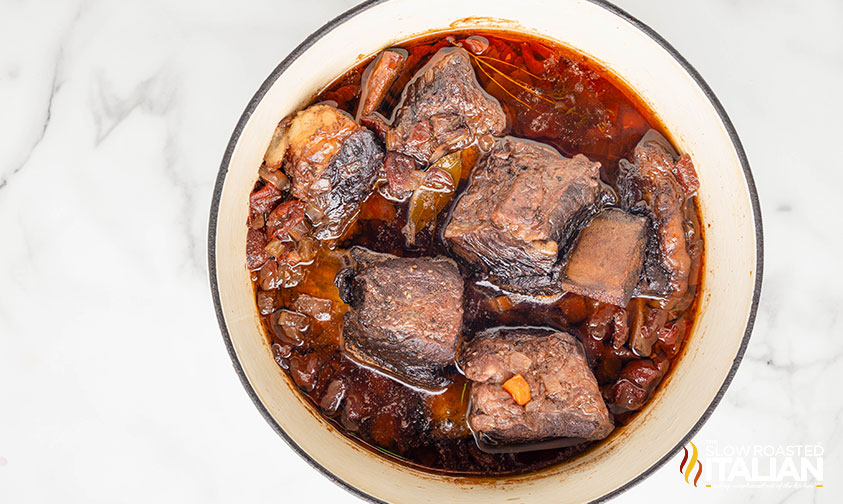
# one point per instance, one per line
(342, 18)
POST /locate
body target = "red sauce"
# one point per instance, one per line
(551, 94)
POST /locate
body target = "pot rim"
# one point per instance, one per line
(366, 5)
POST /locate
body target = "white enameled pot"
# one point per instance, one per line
(729, 205)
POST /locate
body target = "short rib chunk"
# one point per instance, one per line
(443, 109)
(406, 315)
(564, 397)
(523, 201)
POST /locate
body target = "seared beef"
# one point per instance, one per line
(333, 163)
(406, 314)
(606, 261)
(650, 187)
(307, 141)
(335, 198)
(522, 202)
(564, 397)
(443, 109)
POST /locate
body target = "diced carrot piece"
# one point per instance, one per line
(500, 303)
(518, 388)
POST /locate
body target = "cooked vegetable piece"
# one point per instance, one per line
(306, 249)
(686, 175)
(637, 381)
(256, 256)
(266, 302)
(433, 195)
(278, 145)
(265, 198)
(304, 369)
(318, 309)
(334, 394)
(402, 177)
(377, 79)
(645, 328)
(275, 177)
(278, 248)
(518, 388)
(284, 218)
(470, 156)
(290, 326)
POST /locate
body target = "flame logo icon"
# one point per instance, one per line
(690, 464)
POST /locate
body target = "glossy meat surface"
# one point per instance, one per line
(649, 186)
(335, 198)
(606, 259)
(307, 141)
(521, 203)
(565, 400)
(406, 314)
(333, 164)
(443, 109)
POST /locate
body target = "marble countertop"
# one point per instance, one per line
(115, 385)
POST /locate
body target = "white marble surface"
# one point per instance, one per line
(114, 382)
